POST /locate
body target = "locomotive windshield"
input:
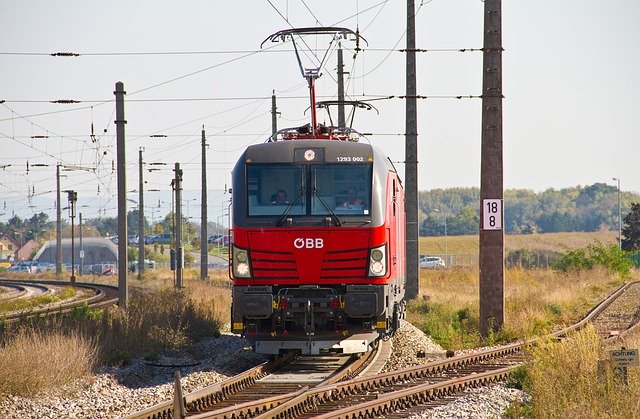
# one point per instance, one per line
(309, 190)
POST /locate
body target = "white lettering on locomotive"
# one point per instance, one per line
(308, 243)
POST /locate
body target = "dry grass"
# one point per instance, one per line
(563, 380)
(536, 302)
(33, 360)
(48, 352)
(550, 242)
(37, 301)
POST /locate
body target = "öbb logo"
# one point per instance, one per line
(308, 243)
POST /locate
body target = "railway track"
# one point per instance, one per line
(97, 295)
(15, 291)
(398, 393)
(420, 387)
(269, 385)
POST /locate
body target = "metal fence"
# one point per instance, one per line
(527, 260)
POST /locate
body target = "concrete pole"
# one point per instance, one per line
(178, 235)
(411, 158)
(491, 175)
(72, 209)
(81, 248)
(204, 251)
(140, 215)
(274, 116)
(122, 196)
(341, 118)
(58, 224)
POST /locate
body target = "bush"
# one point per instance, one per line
(153, 322)
(611, 257)
(449, 327)
(564, 381)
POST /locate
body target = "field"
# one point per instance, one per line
(551, 242)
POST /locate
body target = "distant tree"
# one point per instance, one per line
(167, 223)
(631, 229)
(467, 221)
(132, 223)
(107, 226)
(432, 226)
(557, 221)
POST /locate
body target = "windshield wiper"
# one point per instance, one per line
(334, 217)
(289, 207)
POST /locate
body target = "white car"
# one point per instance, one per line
(431, 262)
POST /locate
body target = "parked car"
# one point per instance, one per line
(221, 241)
(148, 264)
(164, 238)
(212, 238)
(20, 268)
(431, 262)
(132, 240)
(43, 267)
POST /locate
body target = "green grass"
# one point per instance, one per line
(37, 301)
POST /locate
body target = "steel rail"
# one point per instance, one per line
(206, 397)
(275, 404)
(103, 296)
(16, 291)
(421, 394)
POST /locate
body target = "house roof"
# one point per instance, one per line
(8, 239)
(25, 251)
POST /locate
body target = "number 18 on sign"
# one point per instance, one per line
(492, 214)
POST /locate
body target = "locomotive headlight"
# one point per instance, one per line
(378, 261)
(240, 261)
(377, 268)
(241, 256)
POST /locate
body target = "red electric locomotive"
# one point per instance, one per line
(318, 242)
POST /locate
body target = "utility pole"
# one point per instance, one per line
(411, 158)
(140, 216)
(204, 250)
(491, 175)
(72, 198)
(122, 196)
(81, 248)
(58, 224)
(178, 235)
(274, 116)
(619, 214)
(341, 119)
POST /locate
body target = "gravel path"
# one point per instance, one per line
(116, 392)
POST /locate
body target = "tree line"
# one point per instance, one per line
(578, 208)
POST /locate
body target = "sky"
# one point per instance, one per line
(570, 82)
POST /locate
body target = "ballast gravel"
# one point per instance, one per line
(116, 392)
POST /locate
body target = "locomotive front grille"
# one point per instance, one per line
(276, 265)
(344, 264)
(282, 265)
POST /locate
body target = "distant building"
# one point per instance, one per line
(96, 250)
(8, 248)
(27, 250)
